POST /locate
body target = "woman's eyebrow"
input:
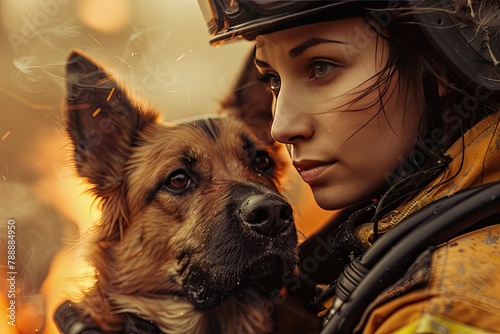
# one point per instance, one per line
(297, 51)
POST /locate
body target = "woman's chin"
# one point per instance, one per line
(328, 199)
(335, 198)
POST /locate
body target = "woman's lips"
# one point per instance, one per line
(311, 170)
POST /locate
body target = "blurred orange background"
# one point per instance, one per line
(159, 49)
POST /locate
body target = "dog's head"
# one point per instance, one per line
(190, 208)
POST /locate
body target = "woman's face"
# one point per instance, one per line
(346, 135)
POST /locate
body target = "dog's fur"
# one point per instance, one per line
(193, 233)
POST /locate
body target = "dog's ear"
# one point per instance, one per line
(251, 101)
(101, 121)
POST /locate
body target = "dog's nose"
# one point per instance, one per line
(266, 214)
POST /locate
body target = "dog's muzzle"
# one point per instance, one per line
(252, 241)
(266, 214)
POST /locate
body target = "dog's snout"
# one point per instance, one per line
(267, 215)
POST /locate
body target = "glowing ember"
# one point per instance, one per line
(6, 135)
(122, 60)
(97, 111)
(110, 94)
(95, 40)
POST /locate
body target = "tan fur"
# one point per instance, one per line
(153, 244)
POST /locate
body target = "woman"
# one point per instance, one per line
(387, 109)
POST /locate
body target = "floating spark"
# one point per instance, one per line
(122, 60)
(110, 94)
(6, 135)
(96, 112)
(95, 40)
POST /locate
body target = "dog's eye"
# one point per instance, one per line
(262, 162)
(179, 181)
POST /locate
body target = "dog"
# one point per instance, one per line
(194, 235)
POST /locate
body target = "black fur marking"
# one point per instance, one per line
(211, 126)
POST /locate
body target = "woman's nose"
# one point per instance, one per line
(291, 122)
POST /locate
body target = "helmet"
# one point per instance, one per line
(228, 20)
(466, 33)
(468, 39)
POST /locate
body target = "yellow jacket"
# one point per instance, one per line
(458, 290)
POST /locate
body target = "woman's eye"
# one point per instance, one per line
(262, 162)
(320, 70)
(273, 82)
(178, 181)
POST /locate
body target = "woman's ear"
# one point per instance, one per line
(442, 87)
(251, 101)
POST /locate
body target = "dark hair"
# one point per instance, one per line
(416, 57)
(451, 107)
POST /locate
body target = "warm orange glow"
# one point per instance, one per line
(31, 314)
(107, 16)
(309, 217)
(5, 328)
(69, 276)
(61, 188)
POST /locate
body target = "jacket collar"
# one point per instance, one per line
(475, 160)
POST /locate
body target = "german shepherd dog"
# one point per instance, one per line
(194, 235)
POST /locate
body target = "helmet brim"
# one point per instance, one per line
(269, 24)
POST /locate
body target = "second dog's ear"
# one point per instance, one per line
(101, 121)
(251, 101)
